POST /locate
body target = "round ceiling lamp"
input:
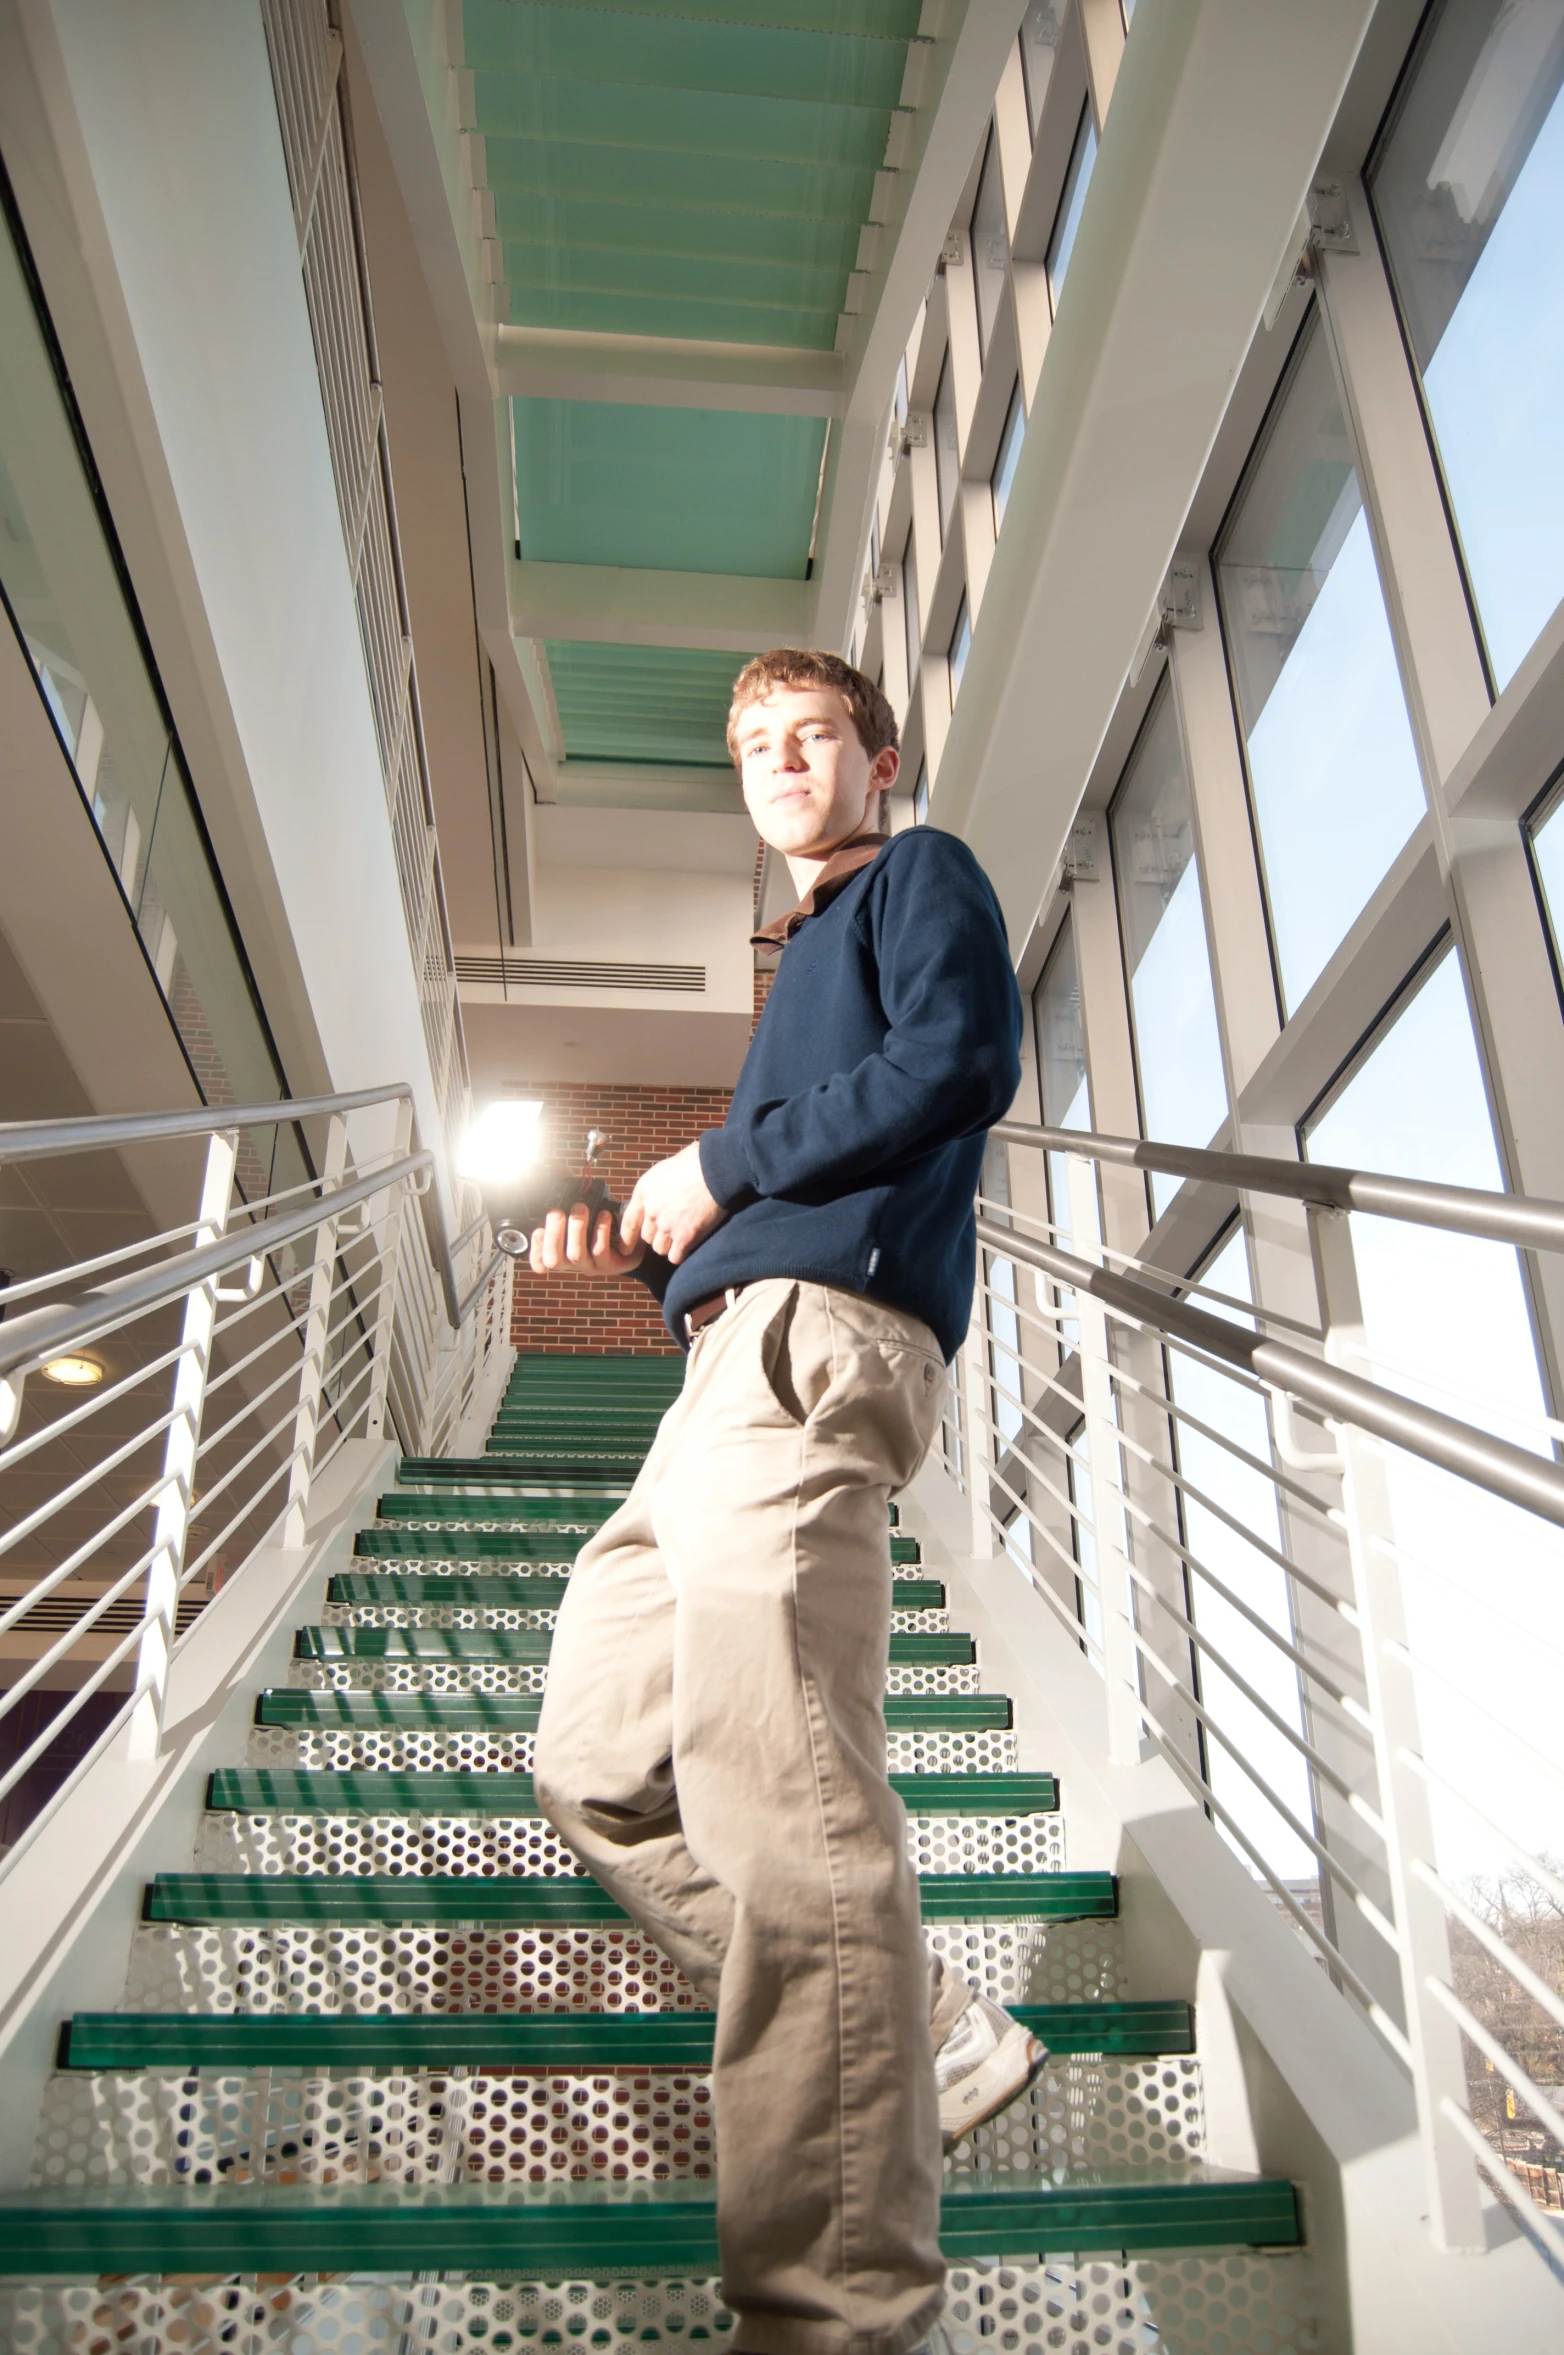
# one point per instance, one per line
(74, 1373)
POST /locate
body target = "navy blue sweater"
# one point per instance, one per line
(889, 1046)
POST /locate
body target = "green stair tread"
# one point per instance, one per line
(598, 2231)
(377, 1587)
(308, 1791)
(580, 1517)
(531, 1900)
(544, 2041)
(482, 1475)
(532, 1644)
(518, 1712)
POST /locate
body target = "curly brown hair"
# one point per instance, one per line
(808, 666)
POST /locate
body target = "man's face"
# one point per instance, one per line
(807, 779)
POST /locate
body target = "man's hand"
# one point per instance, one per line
(563, 1247)
(671, 1210)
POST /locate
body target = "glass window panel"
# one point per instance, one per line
(1178, 1052)
(1066, 1100)
(900, 395)
(1440, 1310)
(1469, 189)
(1332, 764)
(920, 795)
(1546, 837)
(1083, 1534)
(947, 459)
(1239, 1417)
(1039, 42)
(63, 589)
(1010, 441)
(990, 244)
(911, 619)
(960, 648)
(1061, 245)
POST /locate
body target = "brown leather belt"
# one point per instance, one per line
(706, 1312)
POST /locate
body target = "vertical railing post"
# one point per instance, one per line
(980, 1452)
(171, 1529)
(1110, 1527)
(317, 1320)
(390, 1261)
(1438, 2070)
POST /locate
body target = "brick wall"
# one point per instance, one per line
(643, 1125)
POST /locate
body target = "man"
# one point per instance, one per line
(712, 1741)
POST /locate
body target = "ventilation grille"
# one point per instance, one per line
(575, 973)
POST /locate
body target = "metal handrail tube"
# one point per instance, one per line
(1529, 1221)
(37, 1140)
(1505, 1470)
(43, 1332)
(1189, 1287)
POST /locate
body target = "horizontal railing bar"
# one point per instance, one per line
(43, 1332)
(1470, 1596)
(1077, 1629)
(1493, 2052)
(1544, 1996)
(1422, 1666)
(34, 1521)
(1392, 2032)
(1529, 1221)
(467, 1305)
(1545, 2230)
(62, 1717)
(1159, 1404)
(36, 1669)
(1533, 1866)
(37, 1140)
(1505, 1470)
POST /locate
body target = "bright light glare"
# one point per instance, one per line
(74, 1373)
(500, 1143)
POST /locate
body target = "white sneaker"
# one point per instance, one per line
(985, 2061)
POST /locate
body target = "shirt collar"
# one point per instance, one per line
(847, 860)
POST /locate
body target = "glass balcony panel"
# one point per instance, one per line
(1469, 190)
(1178, 1050)
(1332, 765)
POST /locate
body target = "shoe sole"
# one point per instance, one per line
(992, 2086)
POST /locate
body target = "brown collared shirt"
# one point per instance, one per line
(847, 860)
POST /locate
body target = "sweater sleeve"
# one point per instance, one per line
(950, 1063)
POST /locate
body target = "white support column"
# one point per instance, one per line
(316, 1325)
(1438, 2071)
(172, 1526)
(385, 1305)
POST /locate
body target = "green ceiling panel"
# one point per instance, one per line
(789, 188)
(679, 490)
(702, 236)
(683, 122)
(736, 58)
(574, 269)
(642, 703)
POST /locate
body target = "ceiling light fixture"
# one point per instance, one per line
(501, 1143)
(74, 1373)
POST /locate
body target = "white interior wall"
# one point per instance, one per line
(178, 130)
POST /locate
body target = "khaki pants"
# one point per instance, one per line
(712, 1746)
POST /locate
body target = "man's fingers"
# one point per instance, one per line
(576, 1234)
(632, 1227)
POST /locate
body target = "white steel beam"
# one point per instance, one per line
(952, 81)
(1220, 113)
(625, 607)
(552, 363)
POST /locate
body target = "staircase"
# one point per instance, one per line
(391, 2074)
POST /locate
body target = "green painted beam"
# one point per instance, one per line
(310, 1791)
(535, 1594)
(520, 2040)
(535, 1901)
(598, 2231)
(518, 1712)
(532, 1644)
